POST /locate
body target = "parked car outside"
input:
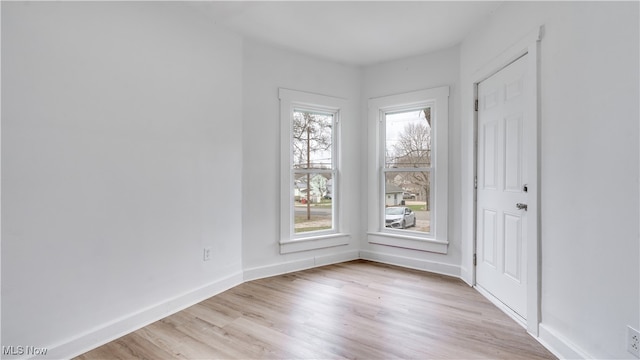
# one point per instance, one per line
(409, 196)
(399, 217)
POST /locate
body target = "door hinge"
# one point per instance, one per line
(476, 105)
(475, 260)
(475, 182)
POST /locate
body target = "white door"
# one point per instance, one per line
(501, 240)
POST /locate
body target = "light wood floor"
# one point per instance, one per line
(354, 310)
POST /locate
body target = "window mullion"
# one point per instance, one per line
(309, 171)
(408, 159)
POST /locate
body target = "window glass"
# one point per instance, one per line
(407, 169)
(313, 202)
(312, 140)
(309, 168)
(408, 139)
(407, 182)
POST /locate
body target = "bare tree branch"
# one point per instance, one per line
(413, 150)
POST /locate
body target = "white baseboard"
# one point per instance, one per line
(559, 345)
(500, 305)
(466, 276)
(549, 338)
(337, 258)
(132, 322)
(412, 263)
(297, 265)
(119, 327)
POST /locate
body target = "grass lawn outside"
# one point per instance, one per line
(420, 207)
(301, 224)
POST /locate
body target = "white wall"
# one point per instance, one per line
(121, 160)
(266, 69)
(589, 165)
(396, 77)
(134, 135)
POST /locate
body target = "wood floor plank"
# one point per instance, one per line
(352, 310)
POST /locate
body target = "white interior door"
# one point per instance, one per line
(501, 239)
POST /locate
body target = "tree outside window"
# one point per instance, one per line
(408, 168)
(313, 165)
(309, 168)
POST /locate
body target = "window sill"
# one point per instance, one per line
(408, 242)
(314, 242)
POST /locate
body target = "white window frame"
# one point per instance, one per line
(290, 101)
(436, 241)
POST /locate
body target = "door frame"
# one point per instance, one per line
(529, 45)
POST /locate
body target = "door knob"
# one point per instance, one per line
(521, 206)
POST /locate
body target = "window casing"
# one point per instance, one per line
(408, 170)
(310, 186)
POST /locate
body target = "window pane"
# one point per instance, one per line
(312, 140)
(408, 139)
(313, 203)
(408, 200)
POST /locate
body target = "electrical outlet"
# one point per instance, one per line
(206, 256)
(633, 341)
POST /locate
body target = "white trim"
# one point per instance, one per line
(409, 99)
(412, 263)
(527, 45)
(314, 242)
(119, 327)
(289, 241)
(261, 272)
(0, 178)
(439, 99)
(466, 275)
(500, 305)
(559, 345)
(508, 56)
(311, 99)
(408, 242)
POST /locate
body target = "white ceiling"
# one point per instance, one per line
(357, 33)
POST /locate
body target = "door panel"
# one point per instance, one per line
(513, 246)
(513, 154)
(490, 237)
(501, 227)
(490, 152)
